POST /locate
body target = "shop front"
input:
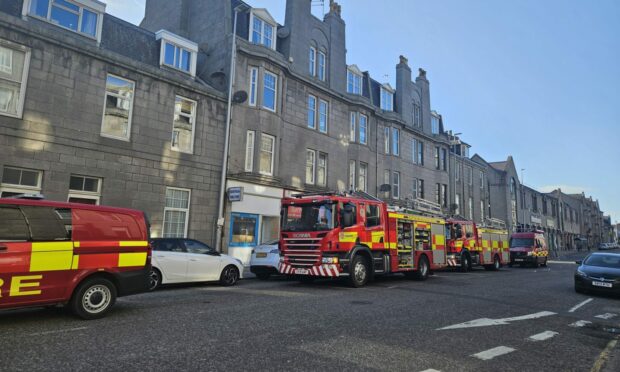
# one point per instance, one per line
(251, 219)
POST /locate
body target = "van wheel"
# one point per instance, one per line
(230, 276)
(359, 272)
(154, 279)
(423, 269)
(93, 298)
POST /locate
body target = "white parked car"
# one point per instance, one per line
(187, 260)
(265, 260)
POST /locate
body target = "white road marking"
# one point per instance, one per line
(572, 309)
(562, 262)
(606, 316)
(392, 287)
(580, 323)
(492, 353)
(485, 322)
(57, 331)
(543, 336)
(431, 370)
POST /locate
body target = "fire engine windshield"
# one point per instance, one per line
(521, 242)
(308, 217)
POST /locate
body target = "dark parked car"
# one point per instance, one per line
(598, 272)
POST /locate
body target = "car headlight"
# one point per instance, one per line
(330, 260)
(581, 273)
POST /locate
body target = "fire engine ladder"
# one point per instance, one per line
(494, 223)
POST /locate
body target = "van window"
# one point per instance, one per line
(13, 226)
(521, 242)
(47, 223)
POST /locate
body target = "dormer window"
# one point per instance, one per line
(387, 98)
(177, 52)
(81, 16)
(262, 28)
(354, 80)
(434, 123)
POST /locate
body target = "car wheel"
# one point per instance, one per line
(154, 279)
(230, 276)
(263, 276)
(93, 298)
(423, 269)
(359, 271)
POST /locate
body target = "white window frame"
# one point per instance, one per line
(253, 86)
(352, 126)
(414, 188)
(395, 141)
(470, 207)
(365, 126)
(323, 103)
(273, 153)
(457, 201)
(386, 98)
(81, 194)
(396, 185)
(189, 204)
(313, 110)
(275, 92)
(130, 118)
(318, 167)
(22, 189)
(181, 43)
(434, 124)
(386, 140)
(352, 175)
(313, 167)
(354, 72)
(417, 115)
(24, 80)
(312, 61)
(192, 118)
(249, 150)
(321, 67)
(264, 23)
(362, 181)
(92, 6)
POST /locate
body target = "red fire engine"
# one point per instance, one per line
(358, 236)
(469, 244)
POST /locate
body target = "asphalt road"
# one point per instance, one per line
(392, 324)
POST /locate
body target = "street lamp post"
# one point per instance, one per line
(231, 82)
(522, 199)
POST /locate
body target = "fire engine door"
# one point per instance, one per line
(439, 244)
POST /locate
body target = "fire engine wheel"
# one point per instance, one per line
(544, 264)
(230, 276)
(495, 265)
(358, 277)
(93, 298)
(423, 269)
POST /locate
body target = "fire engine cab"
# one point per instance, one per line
(471, 245)
(357, 236)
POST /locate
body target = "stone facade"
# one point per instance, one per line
(58, 134)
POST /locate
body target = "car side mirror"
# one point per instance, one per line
(578, 262)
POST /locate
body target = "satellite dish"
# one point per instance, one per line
(385, 188)
(240, 96)
(283, 32)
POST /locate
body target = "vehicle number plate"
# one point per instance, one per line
(518, 259)
(302, 271)
(261, 255)
(602, 284)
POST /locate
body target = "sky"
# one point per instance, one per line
(538, 80)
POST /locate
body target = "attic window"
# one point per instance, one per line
(262, 28)
(81, 16)
(354, 80)
(177, 52)
(387, 98)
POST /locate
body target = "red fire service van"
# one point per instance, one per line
(357, 236)
(469, 244)
(81, 255)
(529, 248)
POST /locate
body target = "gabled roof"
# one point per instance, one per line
(354, 69)
(264, 14)
(499, 165)
(388, 87)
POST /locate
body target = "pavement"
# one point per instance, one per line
(517, 319)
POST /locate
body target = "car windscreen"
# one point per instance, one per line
(308, 217)
(521, 242)
(603, 261)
